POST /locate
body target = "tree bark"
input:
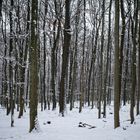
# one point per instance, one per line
(133, 70)
(33, 67)
(101, 62)
(1, 9)
(138, 93)
(65, 55)
(107, 63)
(116, 68)
(122, 41)
(11, 64)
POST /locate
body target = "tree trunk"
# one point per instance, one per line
(122, 42)
(74, 68)
(107, 63)
(4, 68)
(138, 93)
(44, 66)
(133, 70)
(82, 75)
(1, 9)
(33, 67)
(101, 62)
(66, 46)
(11, 65)
(53, 61)
(20, 69)
(116, 68)
(26, 51)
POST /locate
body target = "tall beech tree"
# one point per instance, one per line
(11, 48)
(65, 55)
(33, 67)
(116, 67)
(82, 73)
(138, 93)
(133, 65)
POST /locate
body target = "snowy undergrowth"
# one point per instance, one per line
(67, 128)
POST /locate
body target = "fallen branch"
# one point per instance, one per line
(81, 124)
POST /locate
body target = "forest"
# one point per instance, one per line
(69, 54)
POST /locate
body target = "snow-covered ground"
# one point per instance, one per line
(66, 128)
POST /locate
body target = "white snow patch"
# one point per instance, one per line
(66, 128)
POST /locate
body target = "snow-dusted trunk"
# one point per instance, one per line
(43, 64)
(82, 74)
(73, 85)
(116, 68)
(4, 66)
(33, 67)
(65, 55)
(107, 63)
(133, 66)
(125, 94)
(122, 42)
(11, 64)
(138, 93)
(101, 61)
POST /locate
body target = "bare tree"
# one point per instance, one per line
(116, 68)
(138, 93)
(33, 67)
(133, 84)
(65, 55)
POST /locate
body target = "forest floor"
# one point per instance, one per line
(74, 126)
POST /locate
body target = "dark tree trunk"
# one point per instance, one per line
(126, 79)
(33, 67)
(74, 68)
(4, 68)
(116, 68)
(20, 69)
(1, 9)
(43, 76)
(101, 62)
(138, 93)
(26, 54)
(82, 75)
(70, 74)
(54, 61)
(122, 42)
(65, 55)
(133, 70)
(56, 37)
(11, 65)
(107, 63)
